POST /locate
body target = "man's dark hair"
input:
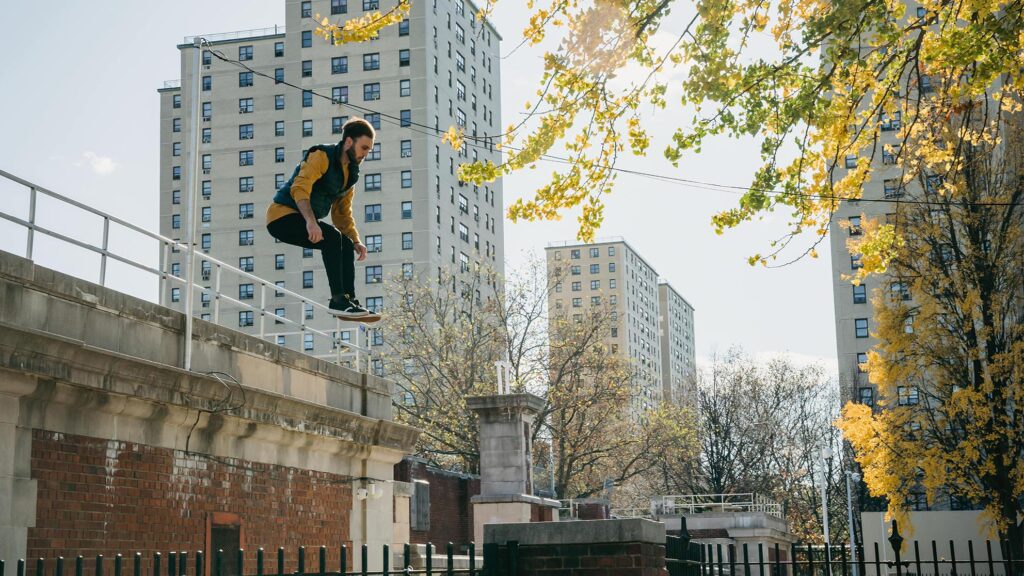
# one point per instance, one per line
(356, 127)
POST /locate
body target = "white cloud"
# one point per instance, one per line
(101, 165)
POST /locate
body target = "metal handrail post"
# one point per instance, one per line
(32, 220)
(103, 255)
(216, 296)
(263, 309)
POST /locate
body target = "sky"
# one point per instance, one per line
(79, 115)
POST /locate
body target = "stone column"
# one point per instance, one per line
(506, 463)
(17, 488)
(403, 491)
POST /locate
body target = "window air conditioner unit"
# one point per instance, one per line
(206, 170)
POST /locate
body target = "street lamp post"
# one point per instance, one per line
(826, 455)
(849, 513)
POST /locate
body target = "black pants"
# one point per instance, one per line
(337, 250)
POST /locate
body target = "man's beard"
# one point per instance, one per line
(352, 156)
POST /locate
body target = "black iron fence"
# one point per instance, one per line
(258, 563)
(686, 558)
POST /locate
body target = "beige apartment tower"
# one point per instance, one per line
(612, 272)
(438, 68)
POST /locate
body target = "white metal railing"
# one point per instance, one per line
(697, 503)
(172, 84)
(237, 35)
(604, 240)
(344, 350)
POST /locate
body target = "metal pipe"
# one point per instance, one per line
(193, 162)
(849, 513)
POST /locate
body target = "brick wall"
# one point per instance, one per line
(451, 514)
(99, 496)
(605, 559)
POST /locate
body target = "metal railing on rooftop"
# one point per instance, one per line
(237, 35)
(679, 504)
(172, 84)
(344, 350)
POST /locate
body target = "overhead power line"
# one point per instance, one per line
(474, 142)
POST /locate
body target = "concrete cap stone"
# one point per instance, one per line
(577, 532)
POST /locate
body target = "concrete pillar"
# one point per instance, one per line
(506, 462)
(403, 492)
(17, 488)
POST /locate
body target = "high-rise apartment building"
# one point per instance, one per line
(612, 270)
(678, 357)
(440, 67)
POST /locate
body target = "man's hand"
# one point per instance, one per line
(360, 251)
(314, 231)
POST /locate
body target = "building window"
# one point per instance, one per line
(574, 254)
(207, 241)
(406, 210)
(278, 181)
(405, 118)
(207, 83)
(245, 52)
(371, 213)
(595, 284)
(307, 9)
(176, 173)
(862, 362)
(307, 38)
(405, 87)
(371, 91)
(406, 178)
(245, 318)
(403, 28)
(245, 132)
(866, 395)
(339, 65)
(371, 61)
(280, 313)
(851, 162)
(371, 5)
(307, 98)
(374, 153)
(307, 252)
(595, 252)
(279, 293)
(890, 123)
(245, 291)
(406, 240)
(245, 237)
(206, 214)
(176, 101)
(899, 291)
(372, 183)
(907, 395)
(176, 149)
(373, 119)
(375, 303)
(892, 187)
(307, 278)
(612, 284)
(338, 124)
(856, 262)
(407, 270)
(278, 154)
(307, 311)
(307, 128)
(889, 154)
(207, 189)
(406, 149)
(278, 261)
(855, 228)
(176, 269)
(574, 270)
(339, 6)
(175, 221)
(245, 105)
(244, 79)
(245, 184)
(374, 243)
(207, 110)
(860, 327)
(339, 94)
(403, 57)
(175, 294)
(374, 274)
(860, 294)
(246, 264)
(577, 302)
(176, 125)
(278, 49)
(595, 268)
(176, 197)
(207, 134)
(245, 158)
(245, 211)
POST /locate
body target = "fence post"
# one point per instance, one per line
(21, 567)
(218, 565)
(259, 561)
(99, 564)
(896, 541)
(344, 559)
(58, 571)
(387, 560)
(406, 556)
(472, 558)
(970, 556)
(1009, 558)
(103, 255)
(137, 564)
(991, 563)
(32, 220)
(172, 564)
(364, 559)
(746, 560)
(302, 555)
(513, 558)
(117, 564)
(323, 561)
(201, 565)
(80, 565)
(239, 563)
(183, 562)
(952, 559)
(156, 565)
(491, 558)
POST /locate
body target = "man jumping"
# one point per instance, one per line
(324, 182)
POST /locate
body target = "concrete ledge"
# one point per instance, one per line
(510, 498)
(504, 401)
(581, 532)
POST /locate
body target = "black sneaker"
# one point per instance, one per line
(347, 308)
